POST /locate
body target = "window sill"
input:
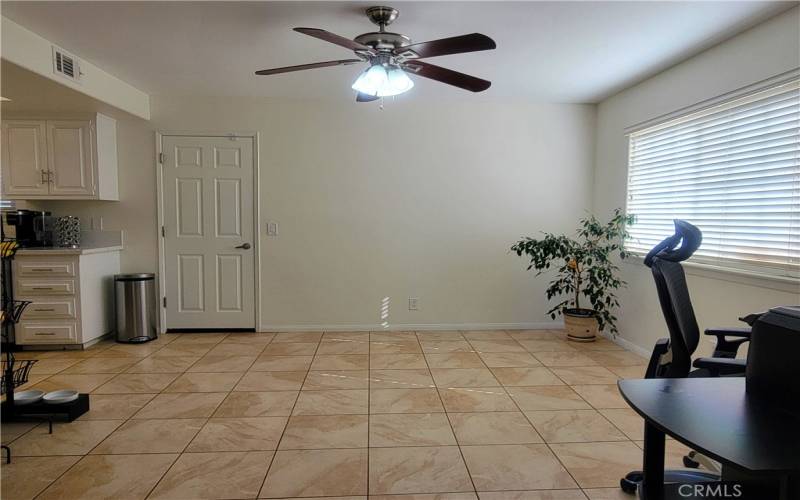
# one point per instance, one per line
(751, 278)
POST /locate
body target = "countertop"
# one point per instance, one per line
(68, 251)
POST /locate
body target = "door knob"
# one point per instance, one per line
(244, 246)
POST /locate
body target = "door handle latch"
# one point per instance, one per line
(244, 246)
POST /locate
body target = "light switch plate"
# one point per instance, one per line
(272, 229)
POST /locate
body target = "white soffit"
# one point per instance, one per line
(35, 53)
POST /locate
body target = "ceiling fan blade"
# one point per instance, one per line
(456, 45)
(362, 97)
(333, 38)
(300, 67)
(448, 76)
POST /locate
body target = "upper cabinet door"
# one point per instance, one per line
(69, 145)
(24, 157)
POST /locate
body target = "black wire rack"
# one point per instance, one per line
(13, 309)
(20, 370)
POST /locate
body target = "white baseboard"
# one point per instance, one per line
(543, 325)
(627, 344)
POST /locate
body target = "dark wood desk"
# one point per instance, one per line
(715, 417)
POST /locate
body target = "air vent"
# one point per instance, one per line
(65, 64)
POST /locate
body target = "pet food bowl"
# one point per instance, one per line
(60, 397)
(28, 397)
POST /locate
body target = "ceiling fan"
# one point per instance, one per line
(392, 55)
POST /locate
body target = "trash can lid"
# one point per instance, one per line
(134, 277)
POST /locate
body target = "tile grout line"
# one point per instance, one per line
(289, 417)
(447, 417)
(161, 478)
(369, 402)
(537, 432)
(178, 455)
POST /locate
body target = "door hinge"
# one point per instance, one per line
(164, 301)
(163, 232)
(161, 157)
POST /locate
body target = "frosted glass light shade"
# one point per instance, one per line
(372, 80)
(398, 83)
(377, 81)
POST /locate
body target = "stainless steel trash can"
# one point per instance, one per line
(135, 307)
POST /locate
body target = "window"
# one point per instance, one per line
(733, 170)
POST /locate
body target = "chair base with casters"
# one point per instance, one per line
(695, 459)
(633, 480)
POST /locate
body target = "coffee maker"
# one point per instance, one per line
(33, 228)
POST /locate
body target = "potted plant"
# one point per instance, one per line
(585, 273)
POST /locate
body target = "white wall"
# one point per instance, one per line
(418, 199)
(766, 50)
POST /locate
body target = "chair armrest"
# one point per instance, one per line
(727, 348)
(654, 365)
(729, 332)
(722, 366)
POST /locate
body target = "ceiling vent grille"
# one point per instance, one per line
(66, 65)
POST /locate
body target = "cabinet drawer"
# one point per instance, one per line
(45, 287)
(29, 332)
(50, 308)
(47, 269)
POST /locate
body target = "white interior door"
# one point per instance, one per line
(208, 227)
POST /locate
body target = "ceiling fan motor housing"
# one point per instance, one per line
(383, 40)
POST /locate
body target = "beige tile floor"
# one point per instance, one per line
(501, 415)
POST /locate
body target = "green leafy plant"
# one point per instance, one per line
(583, 266)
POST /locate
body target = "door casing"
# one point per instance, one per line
(162, 285)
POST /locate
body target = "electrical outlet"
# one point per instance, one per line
(413, 303)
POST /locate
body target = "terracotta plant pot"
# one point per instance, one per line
(580, 324)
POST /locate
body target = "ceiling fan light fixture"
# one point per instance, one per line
(398, 83)
(372, 80)
(377, 81)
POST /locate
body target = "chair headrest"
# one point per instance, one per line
(678, 247)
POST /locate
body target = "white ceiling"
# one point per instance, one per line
(551, 51)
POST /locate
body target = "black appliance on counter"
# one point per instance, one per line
(33, 228)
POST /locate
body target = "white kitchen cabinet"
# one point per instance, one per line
(71, 294)
(69, 156)
(60, 159)
(24, 157)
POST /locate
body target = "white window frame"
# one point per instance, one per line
(789, 275)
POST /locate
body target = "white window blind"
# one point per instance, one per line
(733, 170)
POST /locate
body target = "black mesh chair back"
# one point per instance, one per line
(664, 261)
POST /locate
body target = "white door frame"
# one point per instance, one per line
(162, 284)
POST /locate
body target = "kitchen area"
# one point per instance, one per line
(64, 266)
(70, 226)
(71, 164)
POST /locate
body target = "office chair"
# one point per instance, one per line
(672, 358)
